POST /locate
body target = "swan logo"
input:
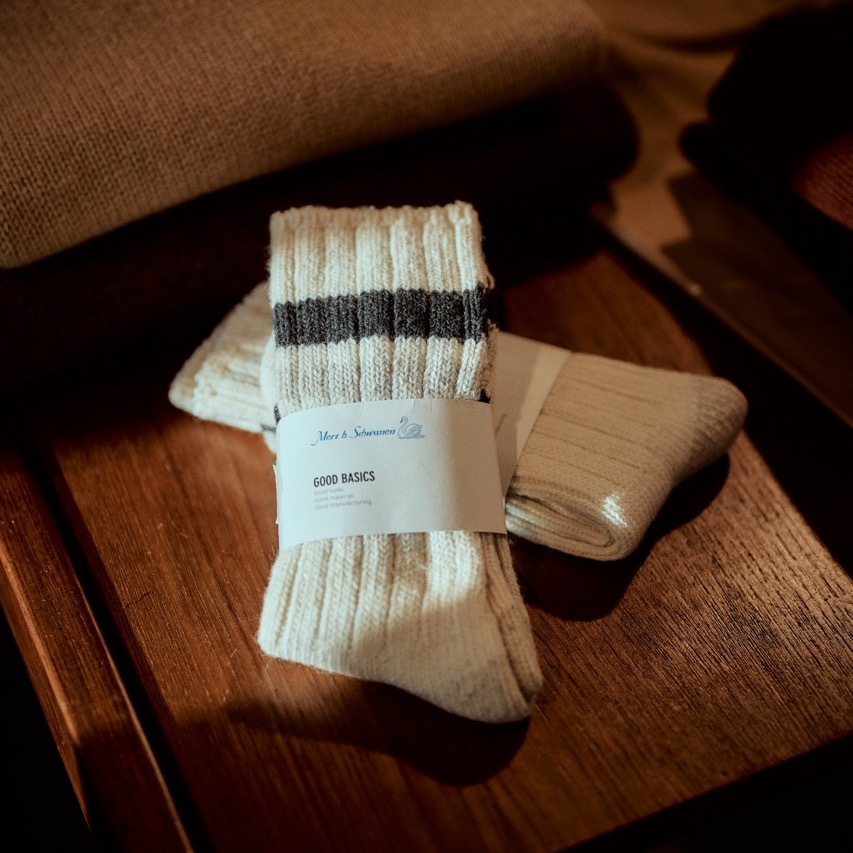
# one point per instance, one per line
(407, 430)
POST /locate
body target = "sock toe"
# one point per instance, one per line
(721, 410)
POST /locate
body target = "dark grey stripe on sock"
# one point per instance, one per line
(395, 314)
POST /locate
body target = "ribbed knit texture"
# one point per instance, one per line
(220, 380)
(114, 111)
(611, 441)
(392, 304)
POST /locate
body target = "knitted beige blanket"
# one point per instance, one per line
(112, 112)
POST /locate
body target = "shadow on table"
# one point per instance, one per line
(385, 719)
(576, 588)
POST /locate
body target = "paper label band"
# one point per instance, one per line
(387, 466)
(522, 377)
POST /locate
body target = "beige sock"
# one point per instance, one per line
(391, 304)
(220, 381)
(611, 442)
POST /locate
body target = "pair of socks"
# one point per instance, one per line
(391, 304)
(438, 614)
(611, 442)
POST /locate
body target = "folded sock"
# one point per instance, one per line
(220, 381)
(376, 304)
(611, 441)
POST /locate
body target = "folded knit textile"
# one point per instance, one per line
(392, 304)
(113, 112)
(611, 442)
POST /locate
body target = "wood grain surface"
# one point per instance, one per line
(719, 649)
(94, 723)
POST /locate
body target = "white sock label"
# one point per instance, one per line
(387, 466)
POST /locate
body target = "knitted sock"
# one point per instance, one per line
(611, 442)
(220, 381)
(390, 304)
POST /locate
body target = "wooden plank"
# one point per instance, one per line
(721, 648)
(104, 749)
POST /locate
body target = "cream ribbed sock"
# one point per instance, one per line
(611, 442)
(391, 304)
(220, 381)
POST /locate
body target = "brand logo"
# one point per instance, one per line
(407, 430)
(403, 430)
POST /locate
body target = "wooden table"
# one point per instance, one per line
(136, 541)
